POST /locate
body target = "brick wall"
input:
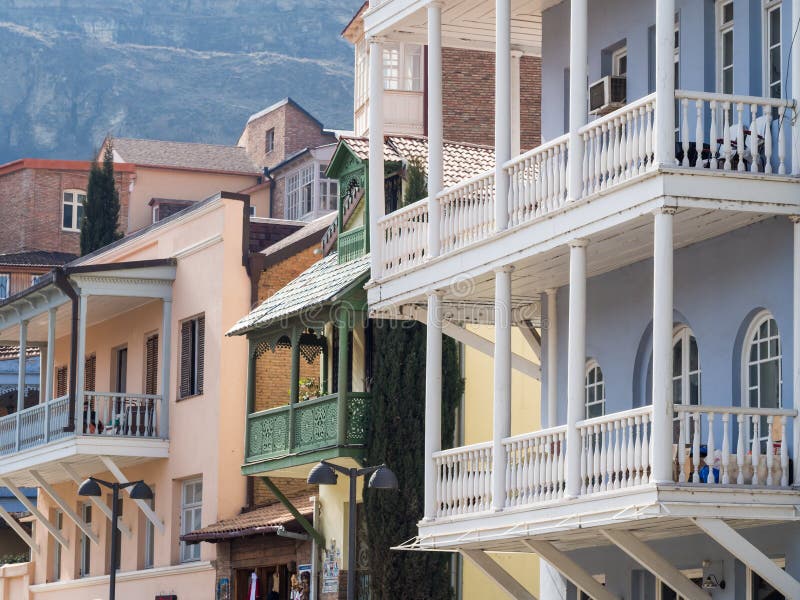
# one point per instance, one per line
(30, 201)
(468, 92)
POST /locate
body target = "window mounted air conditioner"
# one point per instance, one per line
(607, 94)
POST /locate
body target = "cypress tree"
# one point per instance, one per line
(397, 438)
(416, 184)
(101, 208)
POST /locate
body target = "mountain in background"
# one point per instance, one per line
(186, 70)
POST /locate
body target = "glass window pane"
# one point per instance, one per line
(754, 397)
(753, 352)
(694, 355)
(694, 390)
(727, 12)
(591, 376)
(753, 375)
(79, 222)
(763, 331)
(67, 223)
(727, 81)
(677, 358)
(769, 384)
(775, 26)
(727, 48)
(595, 410)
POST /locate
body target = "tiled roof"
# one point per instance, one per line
(206, 157)
(316, 227)
(36, 258)
(461, 161)
(315, 286)
(262, 520)
(12, 352)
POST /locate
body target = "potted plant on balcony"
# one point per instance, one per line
(309, 388)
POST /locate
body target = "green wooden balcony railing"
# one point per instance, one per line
(306, 426)
(352, 244)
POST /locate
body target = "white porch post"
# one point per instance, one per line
(662, 347)
(576, 362)
(166, 386)
(502, 383)
(516, 103)
(377, 202)
(435, 125)
(552, 359)
(665, 83)
(23, 349)
(433, 399)
(796, 346)
(578, 94)
(502, 109)
(80, 359)
(795, 90)
(51, 355)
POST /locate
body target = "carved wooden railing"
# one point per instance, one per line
(535, 466)
(120, 414)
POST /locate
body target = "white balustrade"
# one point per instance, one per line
(404, 235)
(463, 480)
(733, 133)
(538, 181)
(753, 449)
(467, 212)
(34, 426)
(535, 467)
(618, 146)
(120, 414)
(615, 450)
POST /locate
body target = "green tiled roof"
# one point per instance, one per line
(321, 283)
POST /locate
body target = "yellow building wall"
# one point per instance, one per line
(525, 416)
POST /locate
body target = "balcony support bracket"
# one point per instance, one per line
(656, 564)
(730, 539)
(143, 506)
(570, 569)
(318, 537)
(97, 502)
(54, 531)
(505, 581)
(533, 338)
(65, 507)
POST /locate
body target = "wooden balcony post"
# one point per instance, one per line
(795, 95)
(578, 94)
(294, 390)
(662, 346)
(22, 366)
(576, 364)
(166, 367)
(552, 358)
(502, 383)
(80, 361)
(252, 361)
(51, 355)
(796, 345)
(433, 398)
(502, 110)
(665, 83)
(343, 324)
(377, 202)
(435, 126)
(516, 103)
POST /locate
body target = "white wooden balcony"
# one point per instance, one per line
(742, 165)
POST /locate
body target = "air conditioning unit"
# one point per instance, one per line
(607, 95)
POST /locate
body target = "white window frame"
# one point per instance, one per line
(191, 512)
(297, 181)
(58, 522)
(747, 386)
(361, 77)
(402, 81)
(684, 335)
(769, 7)
(328, 191)
(722, 29)
(616, 57)
(5, 277)
(148, 558)
(269, 140)
(84, 569)
(600, 384)
(75, 203)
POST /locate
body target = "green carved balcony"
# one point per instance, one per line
(293, 438)
(352, 244)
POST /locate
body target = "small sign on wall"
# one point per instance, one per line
(167, 597)
(330, 569)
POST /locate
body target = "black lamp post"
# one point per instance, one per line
(140, 491)
(382, 478)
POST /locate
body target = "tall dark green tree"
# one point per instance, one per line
(100, 224)
(397, 438)
(416, 184)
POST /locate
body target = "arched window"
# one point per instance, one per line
(595, 400)
(762, 375)
(685, 367)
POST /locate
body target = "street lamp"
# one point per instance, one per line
(140, 491)
(382, 478)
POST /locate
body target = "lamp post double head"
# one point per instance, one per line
(139, 491)
(381, 478)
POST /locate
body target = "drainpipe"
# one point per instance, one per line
(62, 283)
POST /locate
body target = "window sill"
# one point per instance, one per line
(190, 397)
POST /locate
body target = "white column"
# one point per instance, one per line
(796, 346)
(80, 359)
(662, 346)
(795, 89)
(166, 358)
(502, 383)
(516, 103)
(435, 125)
(665, 83)
(552, 358)
(502, 109)
(433, 398)
(377, 203)
(22, 366)
(578, 93)
(51, 355)
(576, 363)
